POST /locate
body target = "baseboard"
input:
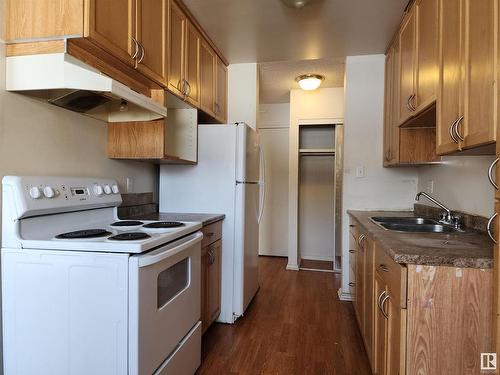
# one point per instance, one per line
(344, 296)
(280, 253)
(292, 267)
(308, 257)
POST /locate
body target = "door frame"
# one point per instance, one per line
(293, 251)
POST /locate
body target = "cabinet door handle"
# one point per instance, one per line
(488, 227)
(351, 284)
(409, 103)
(136, 48)
(188, 88)
(451, 131)
(382, 306)
(490, 173)
(455, 128)
(352, 251)
(379, 299)
(384, 268)
(412, 98)
(143, 53)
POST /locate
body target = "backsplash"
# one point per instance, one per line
(469, 221)
(135, 204)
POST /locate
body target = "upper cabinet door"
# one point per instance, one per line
(112, 26)
(406, 71)
(426, 64)
(192, 68)
(176, 50)
(152, 31)
(207, 75)
(448, 108)
(480, 59)
(221, 92)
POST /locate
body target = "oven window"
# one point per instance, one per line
(172, 281)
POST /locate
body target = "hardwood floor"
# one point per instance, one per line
(296, 325)
(316, 264)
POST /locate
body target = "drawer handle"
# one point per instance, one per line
(384, 268)
(360, 239)
(352, 251)
(351, 284)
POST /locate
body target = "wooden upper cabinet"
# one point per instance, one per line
(426, 57)
(24, 20)
(450, 86)
(208, 61)
(192, 61)
(111, 24)
(151, 33)
(177, 37)
(407, 68)
(221, 92)
(480, 87)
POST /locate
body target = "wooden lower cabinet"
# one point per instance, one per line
(419, 319)
(211, 270)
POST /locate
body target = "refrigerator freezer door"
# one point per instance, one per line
(247, 241)
(248, 154)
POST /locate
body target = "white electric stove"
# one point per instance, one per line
(86, 293)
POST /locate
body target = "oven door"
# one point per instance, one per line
(164, 301)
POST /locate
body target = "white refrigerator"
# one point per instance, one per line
(229, 179)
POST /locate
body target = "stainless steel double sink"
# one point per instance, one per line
(413, 224)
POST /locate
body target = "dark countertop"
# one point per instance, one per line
(465, 250)
(205, 219)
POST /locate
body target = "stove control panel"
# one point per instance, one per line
(44, 195)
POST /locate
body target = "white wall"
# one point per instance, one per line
(381, 188)
(274, 124)
(461, 183)
(243, 93)
(305, 105)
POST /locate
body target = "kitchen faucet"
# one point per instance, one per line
(446, 218)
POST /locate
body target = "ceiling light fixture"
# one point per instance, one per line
(310, 82)
(297, 4)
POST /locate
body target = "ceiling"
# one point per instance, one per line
(267, 30)
(278, 78)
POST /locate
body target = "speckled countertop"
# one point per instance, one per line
(205, 219)
(471, 249)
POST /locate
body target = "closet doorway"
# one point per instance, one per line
(319, 199)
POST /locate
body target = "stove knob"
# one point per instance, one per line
(35, 192)
(98, 190)
(49, 192)
(107, 189)
(115, 189)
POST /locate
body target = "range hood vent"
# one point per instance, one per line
(66, 82)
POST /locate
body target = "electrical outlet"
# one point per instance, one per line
(430, 186)
(360, 172)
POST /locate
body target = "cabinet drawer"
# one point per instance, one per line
(211, 233)
(393, 274)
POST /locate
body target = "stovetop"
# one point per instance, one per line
(122, 236)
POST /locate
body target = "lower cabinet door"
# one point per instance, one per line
(380, 342)
(214, 281)
(204, 273)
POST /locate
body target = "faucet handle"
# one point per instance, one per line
(457, 221)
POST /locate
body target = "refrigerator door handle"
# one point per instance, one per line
(262, 183)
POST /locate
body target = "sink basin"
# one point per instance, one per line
(423, 228)
(403, 220)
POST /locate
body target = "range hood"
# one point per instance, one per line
(64, 81)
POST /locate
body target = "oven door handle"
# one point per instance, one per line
(160, 254)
